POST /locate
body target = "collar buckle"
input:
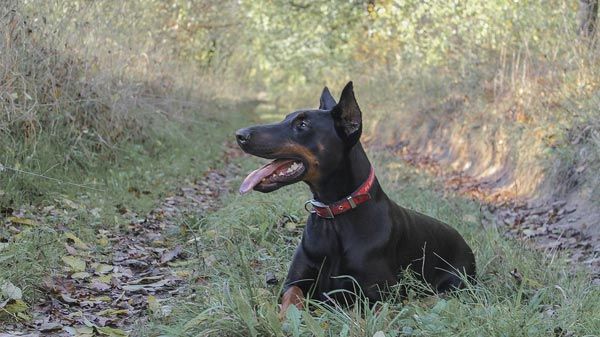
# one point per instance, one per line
(317, 205)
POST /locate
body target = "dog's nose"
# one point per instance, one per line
(243, 136)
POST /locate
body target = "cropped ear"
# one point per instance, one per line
(327, 102)
(347, 115)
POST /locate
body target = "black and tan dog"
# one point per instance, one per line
(355, 233)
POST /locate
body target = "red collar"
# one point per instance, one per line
(352, 201)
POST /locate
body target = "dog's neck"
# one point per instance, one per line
(351, 173)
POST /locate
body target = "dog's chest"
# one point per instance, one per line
(337, 252)
(334, 245)
(322, 241)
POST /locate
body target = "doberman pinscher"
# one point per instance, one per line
(355, 233)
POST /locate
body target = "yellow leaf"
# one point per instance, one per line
(113, 312)
(113, 332)
(102, 268)
(104, 278)
(21, 221)
(101, 299)
(153, 304)
(183, 273)
(15, 306)
(77, 242)
(103, 241)
(75, 264)
(23, 316)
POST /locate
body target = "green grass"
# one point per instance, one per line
(249, 237)
(135, 180)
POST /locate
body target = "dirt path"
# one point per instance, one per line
(116, 286)
(550, 226)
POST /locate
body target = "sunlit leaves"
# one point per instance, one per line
(306, 41)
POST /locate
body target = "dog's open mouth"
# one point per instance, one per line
(278, 173)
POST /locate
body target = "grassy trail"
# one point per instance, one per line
(250, 240)
(218, 272)
(98, 261)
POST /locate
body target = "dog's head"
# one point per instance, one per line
(307, 145)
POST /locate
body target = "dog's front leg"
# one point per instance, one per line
(292, 296)
(300, 278)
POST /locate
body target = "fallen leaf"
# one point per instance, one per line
(11, 291)
(70, 250)
(103, 241)
(113, 312)
(157, 309)
(101, 299)
(104, 278)
(183, 273)
(68, 299)
(99, 286)
(111, 331)
(21, 221)
(80, 275)
(148, 287)
(153, 304)
(77, 242)
(102, 268)
(74, 263)
(15, 306)
(49, 327)
(170, 255)
(82, 331)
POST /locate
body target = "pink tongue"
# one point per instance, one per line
(256, 176)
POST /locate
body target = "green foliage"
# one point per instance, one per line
(302, 41)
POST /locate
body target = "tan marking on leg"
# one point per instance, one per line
(292, 296)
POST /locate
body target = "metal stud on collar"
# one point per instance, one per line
(351, 202)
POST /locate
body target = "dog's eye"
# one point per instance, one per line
(301, 125)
